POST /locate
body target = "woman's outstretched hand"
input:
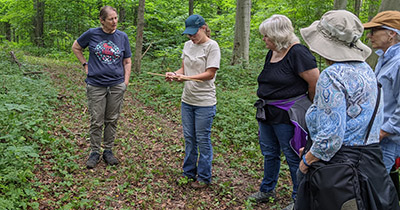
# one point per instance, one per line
(172, 76)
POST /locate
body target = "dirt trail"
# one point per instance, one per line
(151, 150)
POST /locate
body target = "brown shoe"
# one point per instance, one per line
(199, 185)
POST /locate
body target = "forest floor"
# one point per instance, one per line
(150, 147)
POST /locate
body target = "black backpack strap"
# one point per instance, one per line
(371, 122)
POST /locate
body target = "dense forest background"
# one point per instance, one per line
(55, 24)
(44, 119)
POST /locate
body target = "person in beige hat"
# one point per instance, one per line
(384, 35)
(338, 120)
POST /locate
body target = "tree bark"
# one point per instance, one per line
(139, 37)
(242, 32)
(357, 7)
(38, 20)
(372, 11)
(389, 5)
(121, 16)
(7, 27)
(340, 4)
(191, 6)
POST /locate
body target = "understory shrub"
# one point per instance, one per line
(26, 101)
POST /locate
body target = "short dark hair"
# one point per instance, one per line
(104, 11)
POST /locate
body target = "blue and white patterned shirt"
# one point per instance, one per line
(343, 105)
(387, 71)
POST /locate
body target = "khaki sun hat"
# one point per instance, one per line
(336, 37)
(385, 18)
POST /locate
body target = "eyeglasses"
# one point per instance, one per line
(374, 30)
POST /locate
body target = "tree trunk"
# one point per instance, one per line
(340, 4)
(8, 30)
(389, 5)
(38, 20)
(139, 37)
(357, 7)
(122, 16)
(242, 32)
(191, 6)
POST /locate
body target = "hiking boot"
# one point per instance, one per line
(109, 158)
(199, 185)
(289, 207)
(261, 197)
(93, 159)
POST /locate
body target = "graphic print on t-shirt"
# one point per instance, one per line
(107, 52)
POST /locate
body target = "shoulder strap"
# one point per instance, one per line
(378, 99)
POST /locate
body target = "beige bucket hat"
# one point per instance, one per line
(337, 37)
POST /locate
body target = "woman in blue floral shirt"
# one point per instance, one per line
(344, 104)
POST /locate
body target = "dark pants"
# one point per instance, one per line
(378, 191)
(104, 104)
(394, 175)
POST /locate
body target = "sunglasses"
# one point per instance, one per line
(374, 30)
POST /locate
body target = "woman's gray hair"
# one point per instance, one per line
(397, 37)
(104, 11)
(279, 30)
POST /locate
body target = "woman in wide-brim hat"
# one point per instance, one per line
(384, 35)
(345, 99)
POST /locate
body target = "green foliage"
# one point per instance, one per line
(66, 20)
(27, 101)
(25, 104)
(19, 14)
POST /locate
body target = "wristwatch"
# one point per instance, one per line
(84, 64)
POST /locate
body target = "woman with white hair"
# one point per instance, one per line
(286, 87)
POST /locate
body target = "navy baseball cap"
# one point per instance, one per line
(193, 23)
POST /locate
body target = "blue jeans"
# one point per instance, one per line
(197, 122)
(273, 139)
(390, 151)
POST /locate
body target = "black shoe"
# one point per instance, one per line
(289, 207)
(109, 158)
(262, 197)
(93, 159)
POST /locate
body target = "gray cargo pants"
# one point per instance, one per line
(105, 104)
